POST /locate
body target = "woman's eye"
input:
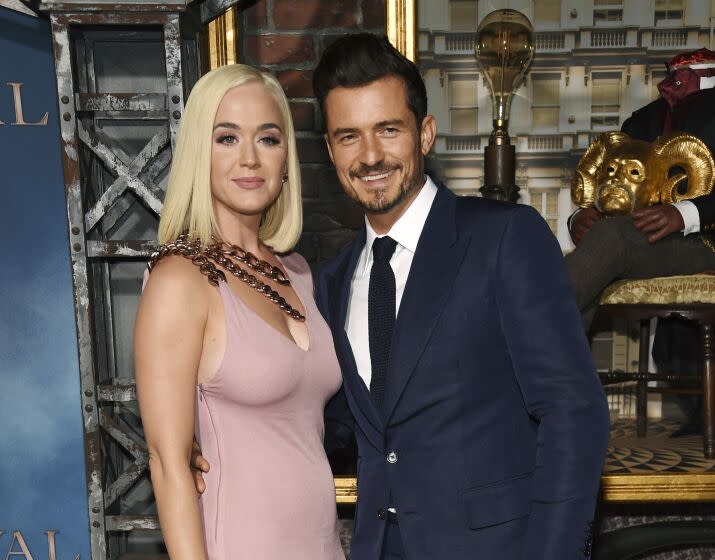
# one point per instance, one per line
(270, 140)
(227, 139)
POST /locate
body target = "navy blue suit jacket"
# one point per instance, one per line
(492, 406)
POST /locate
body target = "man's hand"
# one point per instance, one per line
(658, 221)
(199, 465)
(582, 222)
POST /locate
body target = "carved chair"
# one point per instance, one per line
(691, 297)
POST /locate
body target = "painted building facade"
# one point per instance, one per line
(595, 62)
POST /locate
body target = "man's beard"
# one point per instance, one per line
(377, 204)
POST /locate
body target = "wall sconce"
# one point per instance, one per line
(574, 13)
(571, 119)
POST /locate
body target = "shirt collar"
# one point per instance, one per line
(407, 229)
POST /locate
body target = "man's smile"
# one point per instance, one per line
(376, 179)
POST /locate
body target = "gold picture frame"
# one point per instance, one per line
(401, 29)
(401, 25)
(615, 488)
(222, 35)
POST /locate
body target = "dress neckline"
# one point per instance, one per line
(288, 339)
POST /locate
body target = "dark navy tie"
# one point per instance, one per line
(381, 313)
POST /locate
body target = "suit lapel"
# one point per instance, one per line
(437, 259)
(339, 295)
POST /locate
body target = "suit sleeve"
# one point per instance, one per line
(555, 372)
(628, 127)
(706, 209)
(339, 422)
(706, 203)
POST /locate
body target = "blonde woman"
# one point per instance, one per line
(230, 347)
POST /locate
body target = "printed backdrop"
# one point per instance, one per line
(43, 498)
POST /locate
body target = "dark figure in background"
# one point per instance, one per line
(662, 240)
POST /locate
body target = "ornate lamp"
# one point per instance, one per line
(504, 48)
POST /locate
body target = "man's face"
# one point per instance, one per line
(376, 146)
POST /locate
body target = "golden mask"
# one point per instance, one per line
(619, 174)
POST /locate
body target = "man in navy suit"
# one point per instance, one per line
(480, 423)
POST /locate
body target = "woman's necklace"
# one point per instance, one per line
(264, 268)
(223, 254)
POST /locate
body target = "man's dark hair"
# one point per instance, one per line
(362, 58)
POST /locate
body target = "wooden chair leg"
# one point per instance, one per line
(642, 383)
(707, 352)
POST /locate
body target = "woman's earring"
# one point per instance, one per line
(285, 177)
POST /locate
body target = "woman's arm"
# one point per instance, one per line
(168, 339)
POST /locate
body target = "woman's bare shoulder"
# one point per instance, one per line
(176, 277)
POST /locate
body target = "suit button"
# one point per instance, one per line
(392, 457)
(381, 514)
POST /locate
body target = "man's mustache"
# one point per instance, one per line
(376, 169)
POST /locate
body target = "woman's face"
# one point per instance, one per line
(248, 152)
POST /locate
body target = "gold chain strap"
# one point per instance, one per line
(219, 253)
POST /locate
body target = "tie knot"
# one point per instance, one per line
(382, 248)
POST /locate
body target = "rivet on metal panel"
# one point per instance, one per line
(75, 230)
(65, 100)
(67, 117)
(77, 247)
(95, 510)
(95, 524)
(176, 115)
(88, 393)
(89, 408)
(175, 99)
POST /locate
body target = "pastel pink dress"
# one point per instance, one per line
(269, 493)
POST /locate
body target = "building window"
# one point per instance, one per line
(545, 101)
(668, 12)
(547, 14)
(607, 12)
(463, 103)
(605, 100)
(463, 15)
(546, 202)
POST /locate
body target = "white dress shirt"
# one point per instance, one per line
(691, 216)
(406, 231)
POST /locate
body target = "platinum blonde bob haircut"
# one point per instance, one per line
(188, 206)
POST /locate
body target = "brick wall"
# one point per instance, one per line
(287, 37)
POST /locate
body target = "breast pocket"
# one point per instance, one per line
(498, 502)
